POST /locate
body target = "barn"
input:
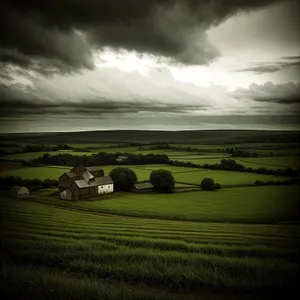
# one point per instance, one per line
(143, 187)
(20, 192)
(84, 182)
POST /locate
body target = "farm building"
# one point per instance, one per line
(106, 185)
(121, 158)
(84, 182)
(20, 192)
(143, 187)
(66, 195)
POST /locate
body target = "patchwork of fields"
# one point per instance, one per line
(181, 174)
(240, 242)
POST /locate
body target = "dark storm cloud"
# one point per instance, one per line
(272, 67)
(285, 93)
(66, 32)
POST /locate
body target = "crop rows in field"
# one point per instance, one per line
(172, 255)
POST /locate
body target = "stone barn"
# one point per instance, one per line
(84, 182)
(143, 187)
(20, 192)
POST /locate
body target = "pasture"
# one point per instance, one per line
(274, 162)
(261, 205)
(181, 174)
(51, 252)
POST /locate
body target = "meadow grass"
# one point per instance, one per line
(271, 162)
(266, 204)
(181, 174)
(274, 162)
(49, 248)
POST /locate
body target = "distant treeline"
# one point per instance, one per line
(33, 148)
(41, 147)
(33, 184)
(102, 158)
(232, 165)
(235, 152)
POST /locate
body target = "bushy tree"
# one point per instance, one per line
(208, 184)
(162, 180)
(123, 178)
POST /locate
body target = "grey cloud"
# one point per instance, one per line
(291, 57)
(272, 67)
(286, 93)
(65, 32)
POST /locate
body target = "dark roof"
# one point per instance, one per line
(94, 168)
(104, 180)
(144, 185)
(70, 175)
(82, 183)
(93, 182)
(87, 176)
(78, 170)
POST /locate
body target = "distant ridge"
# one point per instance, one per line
(147, 136)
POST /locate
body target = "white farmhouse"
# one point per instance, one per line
(20, 192)
(105, 185)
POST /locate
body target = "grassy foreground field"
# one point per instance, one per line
(181, 174)
(242, 205)
(56, 253)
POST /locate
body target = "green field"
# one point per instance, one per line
(269, 204)
(276, 162)
(65, 254)
(181, 174)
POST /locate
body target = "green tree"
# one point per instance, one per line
(123, 178)
(162, 180)
(208, 184)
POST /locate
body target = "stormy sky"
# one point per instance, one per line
(156, 64)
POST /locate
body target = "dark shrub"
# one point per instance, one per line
(162, 180)
(208, 184)
(259, 182)
(123, 178)
(218, 186)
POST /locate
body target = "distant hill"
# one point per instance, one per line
(139, 136)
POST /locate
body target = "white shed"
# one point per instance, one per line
(105, 185)
(66, 195)
(20, 192)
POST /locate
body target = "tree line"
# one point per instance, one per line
(33, 184)
(232, 165)
(102, 158)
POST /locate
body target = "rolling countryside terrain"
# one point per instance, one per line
(238, 242)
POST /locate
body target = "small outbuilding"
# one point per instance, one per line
(121, 158)
(143, 187)
(105, 185)
(66, 195)
(20, 192)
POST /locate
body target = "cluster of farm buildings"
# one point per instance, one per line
(84, 182)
